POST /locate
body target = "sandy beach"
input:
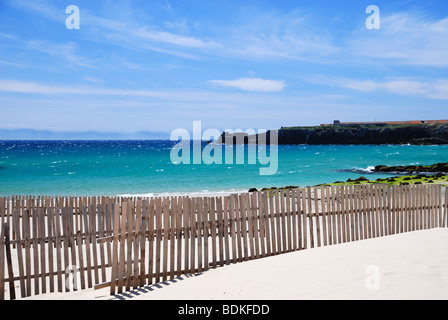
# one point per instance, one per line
(403, 266)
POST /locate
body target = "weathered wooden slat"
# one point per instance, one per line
(205, 228)
(228, 230)
(294, 215)
(200, 232)
(136, 243)
(312, 213)
(282, 212)
(16, 226)
(288, 220)
(299, 219)
(346, 203)
(263, 233)
(72, 244)
(271, 214)
(187, 231)
(81, 259)
(116, 225)
(142, 239)
(86, 227)
(35, 239)
(332, 215)
(255, 217)
(41, 241)
(233, 228)
(166, 230)
(326, 215)
(213, 230)
(51, 245)
(305, 212)
(193, 216)
(151, 239)
(248, 227)
(101, 233)
(58, 244)
(237, 218)
(92, 232)
(222, 230)
(122, 241)
(317, 215)
(12, 290)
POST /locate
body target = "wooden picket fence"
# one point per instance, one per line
(62, 244)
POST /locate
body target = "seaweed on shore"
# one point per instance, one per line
(398, 180)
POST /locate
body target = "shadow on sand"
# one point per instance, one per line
(150, 288)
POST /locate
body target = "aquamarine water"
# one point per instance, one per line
(81, 168)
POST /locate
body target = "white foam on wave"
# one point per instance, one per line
(201, 193)
(369, 169)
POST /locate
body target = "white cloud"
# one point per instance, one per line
(252, 84)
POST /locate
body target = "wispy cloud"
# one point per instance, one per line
(161, 109)
(170, 38)
(405, 38)
(64, 51)
(42, 8)
(10, 63)
(433, 89)
(252, 84)
(92, 79)
(272, 35)
(167, 6)
(277, 35)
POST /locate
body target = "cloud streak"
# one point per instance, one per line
(405, 38)
(252, 84)
(433, 89)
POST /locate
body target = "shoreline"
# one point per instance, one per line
(400, 180)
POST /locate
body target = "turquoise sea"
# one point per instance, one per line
(76, 168)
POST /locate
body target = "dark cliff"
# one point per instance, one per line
(391, 134)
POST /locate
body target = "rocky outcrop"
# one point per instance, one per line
(435, 168)
(403, 134)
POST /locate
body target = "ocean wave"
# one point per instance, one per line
(368, 170)
(202, 193)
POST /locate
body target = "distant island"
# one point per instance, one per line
(30, 134)
(429, 132)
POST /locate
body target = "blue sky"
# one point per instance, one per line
(157, 65)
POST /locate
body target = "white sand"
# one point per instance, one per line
(410, 266)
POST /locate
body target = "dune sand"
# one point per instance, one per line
(404, 266)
